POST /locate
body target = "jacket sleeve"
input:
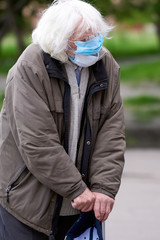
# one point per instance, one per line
(108, 156)
(32, 123)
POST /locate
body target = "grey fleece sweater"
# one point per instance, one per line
(76, 108)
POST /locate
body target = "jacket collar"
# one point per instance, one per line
(99, 68)
(54, 69)
(99, 71)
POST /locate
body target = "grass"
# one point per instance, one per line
(1, 98)
(144, 71)
(145, 108)
(9, 52)
(142, 100)
(125, 44)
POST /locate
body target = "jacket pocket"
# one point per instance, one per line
(16, 180)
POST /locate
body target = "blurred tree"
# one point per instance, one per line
(139, 11)
(12, 19)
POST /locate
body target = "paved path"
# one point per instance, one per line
(136, 214)
(135, 60)
(146, 88)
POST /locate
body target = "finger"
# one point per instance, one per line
(87, 207)
(80, 204)
(77, 206)
(108, 210)
(84, 203)
(103, 210)
(75, 203)
(105, 216)
(97, 209)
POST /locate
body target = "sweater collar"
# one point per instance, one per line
(54, 68)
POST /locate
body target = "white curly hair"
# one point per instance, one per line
(59, 22)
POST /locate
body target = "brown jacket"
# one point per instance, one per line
(34, 165)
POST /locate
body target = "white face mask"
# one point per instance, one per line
(84, 60)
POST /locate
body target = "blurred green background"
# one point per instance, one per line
(134, 43)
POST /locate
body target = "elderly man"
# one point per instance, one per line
(62, 128)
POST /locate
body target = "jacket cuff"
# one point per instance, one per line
(79, 191)
(100, 190)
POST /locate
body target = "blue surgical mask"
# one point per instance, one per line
(84, 60)
(90, 47)
(87, 53)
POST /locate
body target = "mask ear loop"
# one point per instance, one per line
(70, 50)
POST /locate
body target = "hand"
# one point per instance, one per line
(103, 206)
(84, 202)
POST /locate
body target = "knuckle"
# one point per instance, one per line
(103, 212)
(97, 215)
(75, 206)
(89, 201)
(76, 203)
(93, 197)
(92, 201)
(79, 208)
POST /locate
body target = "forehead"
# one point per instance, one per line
(80, 37)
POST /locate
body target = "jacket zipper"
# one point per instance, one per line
(100, 86)
(11, 184)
